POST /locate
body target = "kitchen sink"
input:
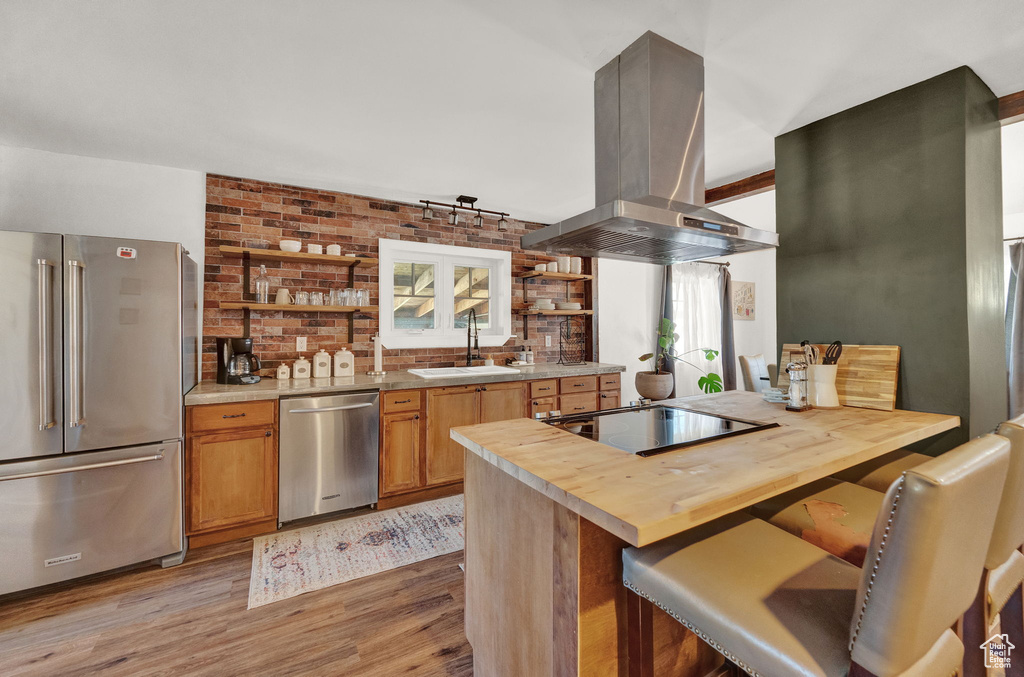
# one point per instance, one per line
(455, 372)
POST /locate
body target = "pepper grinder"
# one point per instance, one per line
(797, 386)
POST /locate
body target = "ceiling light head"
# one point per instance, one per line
(502, 223)
(478, 220)
(428, 213)
(453, 218)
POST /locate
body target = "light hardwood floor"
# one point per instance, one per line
(192, 620)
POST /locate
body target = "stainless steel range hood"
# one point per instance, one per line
(649, 138)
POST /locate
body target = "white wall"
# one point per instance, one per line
(758, 335)
(52, 192)
(56, 193)
(629, 307)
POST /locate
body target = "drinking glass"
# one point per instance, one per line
(302, 298)
(363, 297)
(316, 298)
(337, 297)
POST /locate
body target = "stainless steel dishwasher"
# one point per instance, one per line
(328, 453)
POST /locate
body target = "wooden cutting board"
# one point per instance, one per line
(866, 377)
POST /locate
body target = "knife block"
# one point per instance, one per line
(821, 386)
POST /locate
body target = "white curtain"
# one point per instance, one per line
(697, 311)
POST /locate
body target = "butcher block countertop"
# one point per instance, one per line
(642, 500)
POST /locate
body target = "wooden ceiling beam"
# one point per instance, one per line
(1011, 109)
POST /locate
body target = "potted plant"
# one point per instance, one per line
(658, 383)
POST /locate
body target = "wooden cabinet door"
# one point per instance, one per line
(448, 408)
(502, 401)
(542, 405)
(609, 399)
(232, 478)
(400, 460)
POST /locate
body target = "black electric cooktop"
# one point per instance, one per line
(654, 429)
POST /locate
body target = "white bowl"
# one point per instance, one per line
(568, 306)
(541, 302)
(290, 245)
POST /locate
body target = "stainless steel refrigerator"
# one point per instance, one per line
(98, 344)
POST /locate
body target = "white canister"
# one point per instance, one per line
(344, 363)
(563, 264)
(575, 265)
(821, 386)
(322, 364)
(283, 372)
(301, 368)
(334, 249)
(315, 248)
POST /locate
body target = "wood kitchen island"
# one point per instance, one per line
(548, 513)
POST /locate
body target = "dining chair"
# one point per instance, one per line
(777, 606)
(755, 373)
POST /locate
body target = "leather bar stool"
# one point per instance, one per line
(838, 516)
(879, 473)
(777, 606)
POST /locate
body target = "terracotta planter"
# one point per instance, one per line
(654, 386)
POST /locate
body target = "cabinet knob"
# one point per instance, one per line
(268, 433)
(417, 417)
(484, 388)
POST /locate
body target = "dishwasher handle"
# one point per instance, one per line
(343, 407)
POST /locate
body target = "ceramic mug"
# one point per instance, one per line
(315, 248)
(334, 249)
(283, 297)
(563, 264)
(575, 265)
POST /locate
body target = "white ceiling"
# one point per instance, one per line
(432, 98)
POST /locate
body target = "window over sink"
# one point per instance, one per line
(429, 292)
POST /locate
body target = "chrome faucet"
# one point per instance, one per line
(472, 338)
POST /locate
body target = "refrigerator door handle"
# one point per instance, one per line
(45, 270)
(76, 271)
(87, 466)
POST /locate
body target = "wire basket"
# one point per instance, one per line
(572, 339)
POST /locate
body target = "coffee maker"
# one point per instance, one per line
(235, 361)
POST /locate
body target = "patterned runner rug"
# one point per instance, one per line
(289, 563)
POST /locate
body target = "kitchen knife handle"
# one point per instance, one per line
(45, 293)
(76, 416)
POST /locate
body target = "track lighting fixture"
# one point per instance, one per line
(467, 204)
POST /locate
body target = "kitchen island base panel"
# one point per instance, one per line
(544, 591)
(418, 496)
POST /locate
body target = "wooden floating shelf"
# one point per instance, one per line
(243, 305)
(297, 257)
(527, 311)
(555, 276)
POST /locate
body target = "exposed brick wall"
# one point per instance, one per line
(242, 209)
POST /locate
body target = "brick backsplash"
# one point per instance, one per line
(239, 210)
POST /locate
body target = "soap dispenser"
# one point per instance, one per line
(322, 364)
(344, 363)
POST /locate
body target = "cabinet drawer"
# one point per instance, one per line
(610, 381)
(232, 416)
(402, 400)
(575, 404)
(542, 405)
(548, 388)
(577, 384)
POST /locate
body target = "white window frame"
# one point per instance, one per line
(446, 258)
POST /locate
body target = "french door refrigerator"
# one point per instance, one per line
(98, 344)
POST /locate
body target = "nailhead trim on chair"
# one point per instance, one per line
(878, 561)
(697, 631)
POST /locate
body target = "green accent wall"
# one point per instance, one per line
(890, 232)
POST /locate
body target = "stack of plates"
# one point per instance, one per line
(542, 306)
(776, 395)
(568, 306)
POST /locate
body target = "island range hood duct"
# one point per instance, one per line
(649, 138)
